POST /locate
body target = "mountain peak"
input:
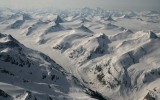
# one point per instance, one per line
(151, 34)
(110, 18)
(58, 20)
(2, 35)
(84, 28)
(55, 28)
(9, 37)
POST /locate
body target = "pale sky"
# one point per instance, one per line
(63, 4)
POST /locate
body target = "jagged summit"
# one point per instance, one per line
(55, 28)
(58, 20)
(110, 18)
(1, 35)
(9, 37)
(9, 42)
(84, 29)
(151, 35)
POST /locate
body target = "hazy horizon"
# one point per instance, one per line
(65, 4)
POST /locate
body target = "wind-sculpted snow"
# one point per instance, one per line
(87, 54)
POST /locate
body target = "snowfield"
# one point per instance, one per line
(81, 54)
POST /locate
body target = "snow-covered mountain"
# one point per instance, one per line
(57, 27)
(28, 75)
(128, 70)
(58, 20)
(81, 54)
